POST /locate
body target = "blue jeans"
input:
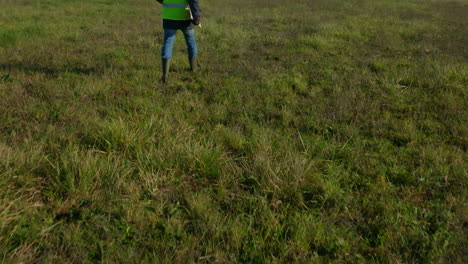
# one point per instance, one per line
(169, 38)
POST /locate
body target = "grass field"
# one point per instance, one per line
(317, 131)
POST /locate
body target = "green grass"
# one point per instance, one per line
(317, 131)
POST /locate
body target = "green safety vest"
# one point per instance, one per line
(176, 10)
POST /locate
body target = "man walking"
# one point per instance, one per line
(179, 15)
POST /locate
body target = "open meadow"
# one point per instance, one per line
(317, 131)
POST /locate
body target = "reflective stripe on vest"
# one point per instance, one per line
(176, 5)
(176, 10)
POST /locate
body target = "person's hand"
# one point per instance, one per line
(196, 21)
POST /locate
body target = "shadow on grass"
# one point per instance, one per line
(50, 70)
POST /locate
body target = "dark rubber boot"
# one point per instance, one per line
(193, 64)
(166, 63)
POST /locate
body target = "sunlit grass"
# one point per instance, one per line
(315, 132)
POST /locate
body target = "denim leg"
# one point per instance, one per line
(169, 38)
(189, 35)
